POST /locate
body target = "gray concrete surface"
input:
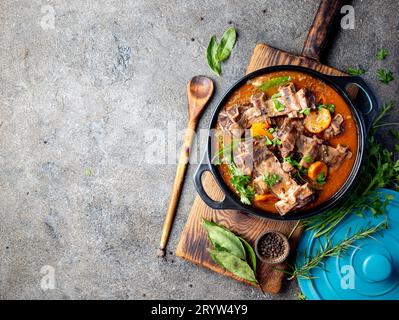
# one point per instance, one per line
(77, 193)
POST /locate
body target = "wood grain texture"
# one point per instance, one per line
(193, 241)
(316, 40)
(199, 91)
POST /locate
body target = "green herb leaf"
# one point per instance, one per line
(355, 72)
(305, 111)
(234, 264)
(271, 130)
(308, 159)
(240, 183)
(276, 141)
(278, 105)
(211, 56)
(385, 76)
(275, 82)
(330, 250)
(250, 253)
(224, 239)
(382, 54)
(394, 133)
(329, 107)
(300, 296)
(295, 164)
(226, 44)
(321, 178)
(268, 142)
(276, 95)
(271, 180)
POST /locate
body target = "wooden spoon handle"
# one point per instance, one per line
(322, 25)
(177, 186)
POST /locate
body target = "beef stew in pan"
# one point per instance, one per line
(286, 141)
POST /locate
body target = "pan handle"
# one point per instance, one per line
(323, 23)
(370, 113)
(226, 203)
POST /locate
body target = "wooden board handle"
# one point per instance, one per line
(322, 25)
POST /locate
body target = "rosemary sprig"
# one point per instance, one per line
(330, 250)
(379, 170)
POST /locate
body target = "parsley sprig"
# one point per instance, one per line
(382, 54)
(385, 76)
(355, 71)
(240, 183)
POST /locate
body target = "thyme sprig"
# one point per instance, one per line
(330, 250)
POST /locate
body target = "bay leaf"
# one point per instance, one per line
(224, 239)
(250, 253)
(235, 265)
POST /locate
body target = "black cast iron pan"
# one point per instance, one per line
(363, 116)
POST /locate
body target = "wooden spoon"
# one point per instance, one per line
(199, 91)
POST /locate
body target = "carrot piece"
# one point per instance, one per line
(265, 197)
(316, 169)
(318, 121)
(260, 129)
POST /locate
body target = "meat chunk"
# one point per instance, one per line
(296, 101)
(260, 151)
(295, 198)
(224, 121)
(291, 194)
(226, 124)
(251, 116)
(333, 157)
(305, 99)
(233, 113)
(335, 127)
(289, 133)
(293, 102)
(287, 167)
(242, 156)
(260, 186)
(258, 100)
(310, 151)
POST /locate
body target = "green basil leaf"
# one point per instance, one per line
(226, 44)
(225, 239)
(275, 82)
(211, 56)
(250, 253)
(235, 265)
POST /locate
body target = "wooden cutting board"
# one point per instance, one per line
(193, 240)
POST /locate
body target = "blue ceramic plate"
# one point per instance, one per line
(369, 270)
